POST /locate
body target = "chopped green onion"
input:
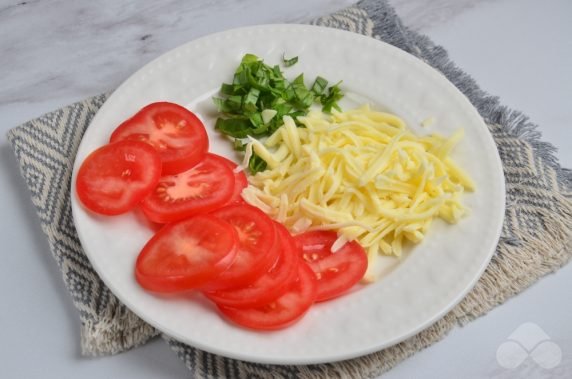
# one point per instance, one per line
(330, 100)
(249, 101)
(227, 89)
(249, 58)
(319, 86)
(256, 164)
(289, 62)
(234, 127)
(239, 145)
(259, 96)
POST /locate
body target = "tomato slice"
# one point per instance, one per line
(282, 312)
(256, 250)
(269, 286)
(240, 183)
(187, 254)
(116, 177)
(177, 134)
(203, 188)
(336, 272)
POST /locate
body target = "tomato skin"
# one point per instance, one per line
(174, 131)
(257, 251)
(269, 286)
(240, 183)
(336, 272)
(283, 311)
(114, 178)
(186, 254)
(201, 189)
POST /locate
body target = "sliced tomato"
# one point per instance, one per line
(240, 182)
(203, 188)
(336, 272)
(283, 311)
(116, 177)
(177, 134)
(269, 286)
(257, 251)
(187, 254)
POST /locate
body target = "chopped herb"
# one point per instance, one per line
(239, 145)
(249, 58)
(234, 127)
(249, 101)
(256, 164)
(330, 100)
(289, 62)
(319, 86)
(258, 88)
(227, 89)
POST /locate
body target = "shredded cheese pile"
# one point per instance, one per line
(361, 173)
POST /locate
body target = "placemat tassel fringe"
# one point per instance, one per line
(117, 331)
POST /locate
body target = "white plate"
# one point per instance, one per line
(415, 291)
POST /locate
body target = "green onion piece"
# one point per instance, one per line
(256, 119)
(330, 100)
(249, 101)
(289, 62)
(227, 89)
(256, 164)
(221, 105)
(319, 86)
(234, 102)
(303, 97)
(249, 58)
(276, 73)
(234, 127)
(238, 145)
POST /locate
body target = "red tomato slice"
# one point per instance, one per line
(187, 254)
(269, 286)
(282, 312)
(177, 134)
(116, 177)
(336, 272)
(256, 249)
(203, 188)
(240, 183)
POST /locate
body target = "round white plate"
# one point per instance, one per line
(415, 290)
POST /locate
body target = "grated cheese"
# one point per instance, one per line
(362, 173)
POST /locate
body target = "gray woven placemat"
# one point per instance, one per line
(536, 237)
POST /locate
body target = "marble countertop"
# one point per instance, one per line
(55, 52)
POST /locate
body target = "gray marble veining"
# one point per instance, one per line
(89, 47)
(423, 14)
(73, 49)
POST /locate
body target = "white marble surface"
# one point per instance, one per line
(59, 51)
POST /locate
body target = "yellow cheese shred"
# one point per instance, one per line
(362, 173)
